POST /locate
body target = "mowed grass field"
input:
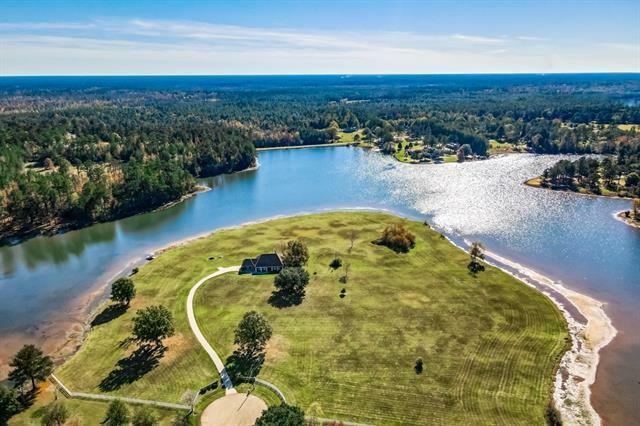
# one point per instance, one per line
(81, 412)
(490, 344)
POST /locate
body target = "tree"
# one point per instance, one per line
(292, 281)
(144, 417)
(295, 254)
(352, 238)
(609, 171)
(419, 366)
(30, 364)
(153, 324)
(55, 415)
(9, 404)
(632, 179)
(253, 333)
(123, 290)
(397, 238)
(281, 415)
(463, 151)
(476, 254)
(117, 414)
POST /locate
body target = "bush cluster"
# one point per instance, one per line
(397, 238)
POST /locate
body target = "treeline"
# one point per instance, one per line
(86, 149)
(79, 166)
(432, 133)
(613, 175)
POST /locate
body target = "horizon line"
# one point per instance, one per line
(330, 74)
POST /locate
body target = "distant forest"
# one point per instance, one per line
(77, 150)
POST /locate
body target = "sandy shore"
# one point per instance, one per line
(622, 218)
(577, 369)
(534, 184)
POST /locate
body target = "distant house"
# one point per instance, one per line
(268, 263)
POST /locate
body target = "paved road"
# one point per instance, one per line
(224, 376)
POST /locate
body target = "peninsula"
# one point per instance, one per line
(367, 311)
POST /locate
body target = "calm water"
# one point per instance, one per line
(569, 237)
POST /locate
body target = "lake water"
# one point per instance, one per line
(46, 282)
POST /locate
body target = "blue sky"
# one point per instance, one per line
(317, 37)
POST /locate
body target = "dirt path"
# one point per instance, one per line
(224, 376)
(238, 409)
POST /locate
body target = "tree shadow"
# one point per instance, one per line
(109, 313)
(283, 299)
(128, 370)
(28, 397)
(243, 366)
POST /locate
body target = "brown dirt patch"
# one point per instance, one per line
(238, 409)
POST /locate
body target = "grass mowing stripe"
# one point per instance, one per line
(490, 343)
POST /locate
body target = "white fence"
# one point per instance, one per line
(102, 397)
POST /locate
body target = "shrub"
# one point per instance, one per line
(552, 415)
(144, 417)
(117, 414)
(55, 415)
(335, 263)
(419, 366)
(476, 254)
(397, 238)
(281, 415)
(9, 404)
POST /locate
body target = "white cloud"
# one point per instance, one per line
(178, 47)
(479, 39)
(530, 38)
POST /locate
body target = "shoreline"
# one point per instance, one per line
(628, 221)
(587, 194)
(578, 366)
(64, 227)
(318, 145)
(576, 369)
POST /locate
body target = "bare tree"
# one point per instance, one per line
(352, 238)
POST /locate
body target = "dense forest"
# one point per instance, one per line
(78, 150)
(80, 165)
(617, 175)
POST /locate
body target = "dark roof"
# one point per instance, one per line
(248, 264)
(268, 259)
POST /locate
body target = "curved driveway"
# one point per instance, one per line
(224, 376)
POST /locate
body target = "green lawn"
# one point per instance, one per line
(490, 343)
(496, 147)
(349, 136)
(81, 412)
(402, 154)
